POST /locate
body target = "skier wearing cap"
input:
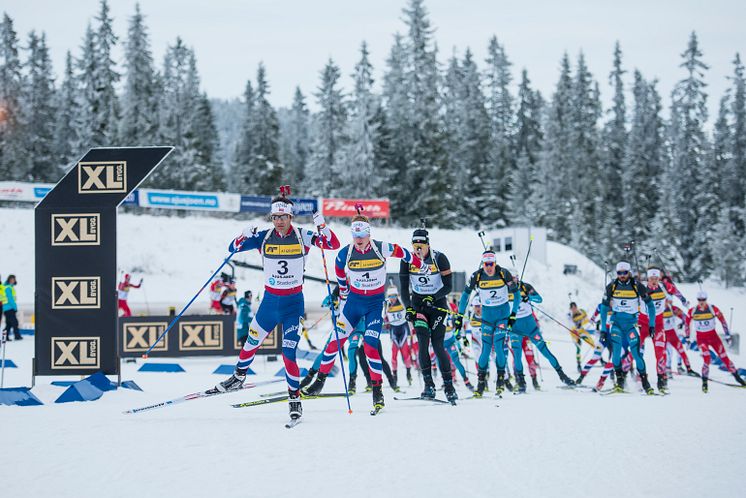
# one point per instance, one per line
(671, 315)
(284, 248)
(361, 274)
(123, 292)
(703, 315)
(658, 291)
(622, 297)
(399, 328)
(526, 326)
(424, 292)
(493, 284)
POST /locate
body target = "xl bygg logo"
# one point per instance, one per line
(201, 336)
(75, 293)
(76, 229)
(102, 177)
(139, 336)
(75, 352)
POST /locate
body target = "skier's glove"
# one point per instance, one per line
(729, 340)
(249, 231)
(425, 269)
(428, 302)
(458, 322)
(465, 341)
(410, 314)
(318, 220)
(511, 320)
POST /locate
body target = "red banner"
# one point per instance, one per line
(345, 208)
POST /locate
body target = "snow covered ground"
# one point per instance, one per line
(553, 443)
(549, 443)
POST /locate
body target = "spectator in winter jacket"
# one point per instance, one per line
(10, 308)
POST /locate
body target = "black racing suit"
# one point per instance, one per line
(429, 324)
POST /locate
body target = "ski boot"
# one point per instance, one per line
(369, 387)
(580, 379)
(351, 385)
(662, 384)
(704, 385)
(564, 378)
(645, 384)
(450, 391)
(409, 376)
(468, 385)
(308, 378)
(508, 384)
(535, 382)
(738, 378)
(232, 383)
(395, 375)
(680, 370)
(520, 381)
(500, 383)
(378, 403)
(619, 385)
(429, 391)
(481, 383)
(294, 404)
(316, 387)
(691, 373)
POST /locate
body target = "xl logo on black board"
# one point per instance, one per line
(75, 352)
(76, 293)
(76, 229)
(201, 336)
(139, 336)
(102, 177)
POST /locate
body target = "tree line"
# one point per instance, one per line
(451, 140)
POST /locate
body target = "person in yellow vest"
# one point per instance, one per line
(3, 301)
(10, 308)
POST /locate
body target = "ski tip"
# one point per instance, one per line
(349, 412)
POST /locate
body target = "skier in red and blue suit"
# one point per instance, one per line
(361, 273)
(284, 249)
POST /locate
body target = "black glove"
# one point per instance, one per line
(465, 341)
(428, 302)
(410, 314)
(511, 320)
(458, 322)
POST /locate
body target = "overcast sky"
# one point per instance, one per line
(294, 38)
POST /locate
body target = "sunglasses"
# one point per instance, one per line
(489, 263)
(701, 300)
(359, 235)
(419, 246)
(282, 217)
(622, 273)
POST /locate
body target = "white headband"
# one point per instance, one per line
(654, 272)
(360, 229)
(282, 208)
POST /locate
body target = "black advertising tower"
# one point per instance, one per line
(76, 260)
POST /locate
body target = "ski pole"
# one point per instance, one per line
(525, 260)
(2, 368)
(145, 295)
(481, 237)
(334, 319)
(552, 318)
(176, 318)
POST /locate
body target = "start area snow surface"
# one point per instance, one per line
(549, 443)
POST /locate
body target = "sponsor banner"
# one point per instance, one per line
(21, 191)
(193, 335)
(345, 208)
(201, 201)
(302, 206)
(76, 353)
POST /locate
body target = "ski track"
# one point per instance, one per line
(549, 443)
(553, 443)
